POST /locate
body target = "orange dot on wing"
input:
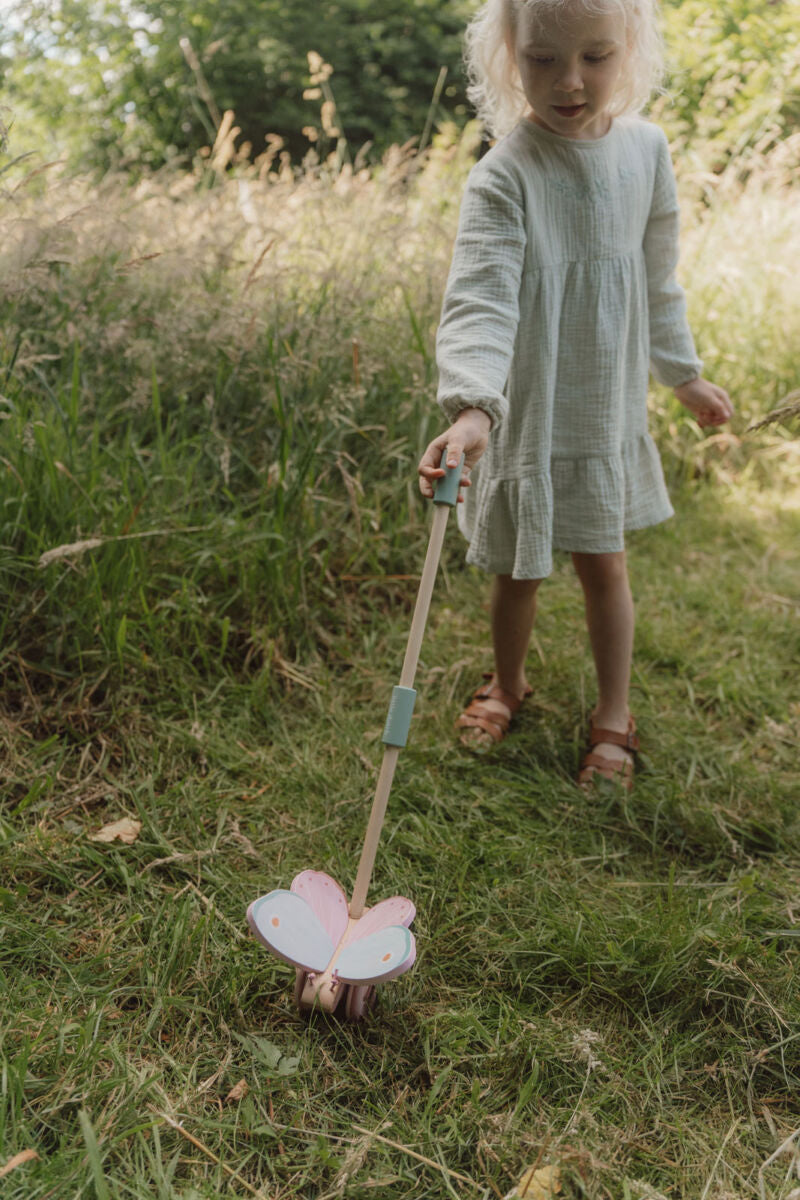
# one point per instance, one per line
(386, 958)
(275, 921)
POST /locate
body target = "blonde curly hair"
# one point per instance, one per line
(494, 83)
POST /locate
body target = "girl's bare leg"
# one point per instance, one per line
(610, 619)
(513, 609)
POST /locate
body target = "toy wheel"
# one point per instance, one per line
(360, 1000)
(299, 983)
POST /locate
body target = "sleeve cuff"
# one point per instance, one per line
(451, 406)
(676, 375)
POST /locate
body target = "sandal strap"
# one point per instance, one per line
(600, 763)
(480, 717)
(629, 740)
(615, 772)
(495, 692)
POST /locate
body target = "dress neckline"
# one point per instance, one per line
(558, 139)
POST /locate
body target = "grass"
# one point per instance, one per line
(609, 986)
(664, 924)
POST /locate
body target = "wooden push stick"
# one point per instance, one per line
(390, 754)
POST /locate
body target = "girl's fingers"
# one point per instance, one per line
(429, 470)
(454, 452)
(725, 401)
(429, 463)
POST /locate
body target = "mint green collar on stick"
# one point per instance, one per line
(398, 720)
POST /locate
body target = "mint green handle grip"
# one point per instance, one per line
(447, 488)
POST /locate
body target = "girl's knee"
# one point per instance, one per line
(601, 570)
(516, 587)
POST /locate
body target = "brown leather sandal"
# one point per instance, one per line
(477, 716)
(596, 764)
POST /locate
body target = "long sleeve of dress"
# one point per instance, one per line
(480, 314)
(673, 358)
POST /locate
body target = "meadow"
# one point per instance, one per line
(214, 388)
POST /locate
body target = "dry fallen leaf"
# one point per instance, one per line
(540, 1184)
(238, 1091)
(125, 830)
(17, 1161)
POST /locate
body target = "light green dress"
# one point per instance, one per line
(560, 300)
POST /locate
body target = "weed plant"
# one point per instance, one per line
(214, 390)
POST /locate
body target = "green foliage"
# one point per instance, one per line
(139, 85)
(150, 81)
(734, 80)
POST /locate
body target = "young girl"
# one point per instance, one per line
(561, 295)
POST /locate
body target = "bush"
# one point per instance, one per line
(141, 100)
(734, 86)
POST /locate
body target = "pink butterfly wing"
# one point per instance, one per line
(325, 899)
(397, 910)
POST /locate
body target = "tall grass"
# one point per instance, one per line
(245, 367)
(228, 377)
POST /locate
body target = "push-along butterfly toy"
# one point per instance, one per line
(340, 951)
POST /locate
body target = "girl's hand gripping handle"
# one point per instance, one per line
(467, 436)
